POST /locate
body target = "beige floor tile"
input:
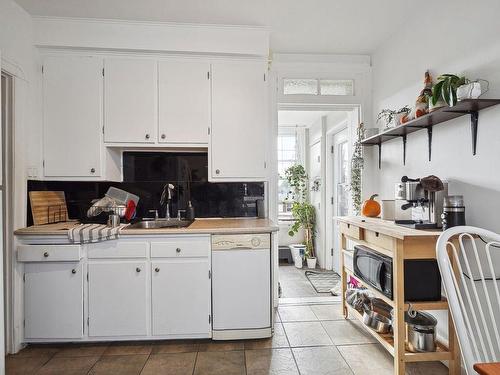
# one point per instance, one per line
(221, 346)
(82, 350)
(324, 360)
(367, 359)
(68, 365)
(120, 364)
(181, 346)
(270, 362)
(278, 340)
(328, 312)
(223, 363)
(306, 334)
(347, 332)
(170, 364)
(15, 365)
(296, 314)
(129, 348)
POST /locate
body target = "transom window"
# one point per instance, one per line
(312, 86)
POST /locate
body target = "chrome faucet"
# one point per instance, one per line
(166, 197)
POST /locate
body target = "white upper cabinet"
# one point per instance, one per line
(239, 135)
(72, 116)
(184, 101)
(130, 100)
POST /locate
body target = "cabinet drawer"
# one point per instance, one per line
(49, 253)
(181, 247)
(118, 249)
(379, 239)
(351, 231)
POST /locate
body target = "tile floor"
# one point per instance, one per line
(308, 340)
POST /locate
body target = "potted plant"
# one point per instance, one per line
(444, 92)
(303, 212)
(392, 118)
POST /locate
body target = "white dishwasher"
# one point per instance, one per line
(241, 286)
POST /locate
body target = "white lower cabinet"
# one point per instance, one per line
(53, 301)
(181, 297)
(118, 298)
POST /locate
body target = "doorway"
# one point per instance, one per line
(303, 138)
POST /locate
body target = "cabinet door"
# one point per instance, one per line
(239, 121)
(130, 100)
(72, 116)
(53, 301)
(181, 297)
(184, 103)
(118, 303)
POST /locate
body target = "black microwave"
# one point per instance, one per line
(421, 276)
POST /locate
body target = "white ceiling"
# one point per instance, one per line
(299, 118)
(297, 26)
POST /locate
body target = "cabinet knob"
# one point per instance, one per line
(137, 269)
(163, 136)
(46, 254)
(157, 269)
(73, 271)
(178, 249)
(92, 170)
(147, 136)
(217, 171)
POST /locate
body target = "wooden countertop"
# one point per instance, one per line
(387, 227)
(205, 226)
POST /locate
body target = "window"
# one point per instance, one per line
(323, 87)
(287, 156)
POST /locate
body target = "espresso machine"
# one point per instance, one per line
(419, 202)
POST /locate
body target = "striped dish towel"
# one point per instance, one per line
(88, 233)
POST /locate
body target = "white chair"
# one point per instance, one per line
(472, 290)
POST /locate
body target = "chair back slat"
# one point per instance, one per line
(469, 272)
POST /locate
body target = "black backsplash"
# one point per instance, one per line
(146, 173)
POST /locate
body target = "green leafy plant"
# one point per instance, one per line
(357, 164)
(446, 88)
(388, 115)
(303, 212)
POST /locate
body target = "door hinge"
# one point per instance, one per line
(103, 130)
(331, 149)
(264, 77)
(24, 277)
(209, 274)
(331, 251)
(87, 276)
(88, 321)
(208, 75)
(209, 130)
(210, 319)
(265, 165)
(43, 163)
(331, 200)
(42, 69)
(24, 322)
(103, 72)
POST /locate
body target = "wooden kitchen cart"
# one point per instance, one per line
(399, 243)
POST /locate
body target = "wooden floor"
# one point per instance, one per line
(309, 340)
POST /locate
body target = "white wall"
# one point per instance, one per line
(452, 37)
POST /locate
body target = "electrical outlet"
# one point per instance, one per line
(32, 172)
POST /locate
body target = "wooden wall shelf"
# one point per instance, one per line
(465, 107)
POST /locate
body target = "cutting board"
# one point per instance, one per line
(48, 207)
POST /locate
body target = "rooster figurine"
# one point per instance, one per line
(422, 103)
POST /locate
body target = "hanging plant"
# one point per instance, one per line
(296, 177)
(357, 164)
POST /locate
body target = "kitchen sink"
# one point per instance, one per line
(158, 224)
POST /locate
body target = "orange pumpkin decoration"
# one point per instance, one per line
(371, 207)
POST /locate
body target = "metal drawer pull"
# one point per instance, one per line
(137, 269)
(147, 136)
(178, 249)
(92, 170)
(157, 269)
(46, 254)
(73, 271)
(163, 136)
(217, 171)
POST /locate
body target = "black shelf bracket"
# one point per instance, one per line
(404, 148)
(474, 117)
(379, 155)
(429, 141)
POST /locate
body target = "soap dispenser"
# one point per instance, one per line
(190, 211)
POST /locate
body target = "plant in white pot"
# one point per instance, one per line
(303, 212)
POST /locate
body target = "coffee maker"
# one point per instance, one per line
(417, 205)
